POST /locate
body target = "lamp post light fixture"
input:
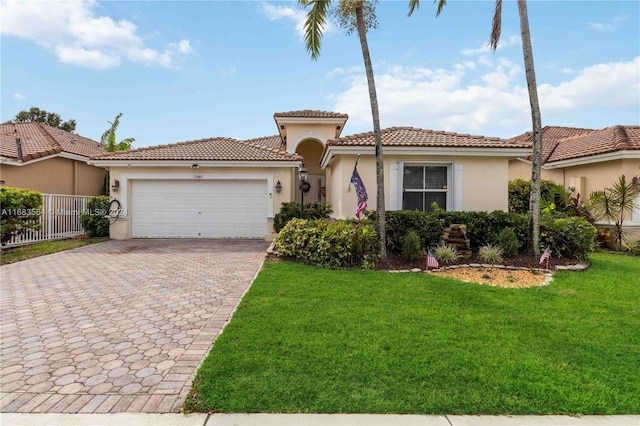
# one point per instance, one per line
(302, 175)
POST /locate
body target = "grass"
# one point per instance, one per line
(17, 254)
(306, 339)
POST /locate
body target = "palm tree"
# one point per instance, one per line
(536, 162)
(316, 20)
(108, 140)
(536, 119)
(613, 204)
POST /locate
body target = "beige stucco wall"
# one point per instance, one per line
(522, 170)
(296, 133)
(483, 186)
(121, 229)
(55, 176)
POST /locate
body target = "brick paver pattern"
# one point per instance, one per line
(119, 326)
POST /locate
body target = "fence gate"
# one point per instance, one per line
(60, 218)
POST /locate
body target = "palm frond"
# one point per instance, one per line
(441, 5)
(315, 23)
(496, 27)
(413, 5)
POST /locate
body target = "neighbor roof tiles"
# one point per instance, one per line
(40, 140)
(565, 143)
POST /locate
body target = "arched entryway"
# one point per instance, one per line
(311, 150)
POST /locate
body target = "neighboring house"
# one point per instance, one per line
(586, 160)
(49, 160)
(223, 187)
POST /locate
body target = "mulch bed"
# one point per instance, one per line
(395, 262)
(530, 272)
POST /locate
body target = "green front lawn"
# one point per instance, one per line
(17, 254)
(306, 339)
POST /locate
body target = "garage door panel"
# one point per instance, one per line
(201, 209)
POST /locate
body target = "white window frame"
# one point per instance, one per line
(450, 193)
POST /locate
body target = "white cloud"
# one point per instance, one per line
(338, 71)
(74, 32)
(298, 16)
(484, 98)
(228, 72)
(512, 40)
(614, 84)
(19, 96)
(606, 27)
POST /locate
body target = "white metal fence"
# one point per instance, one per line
(60, 218)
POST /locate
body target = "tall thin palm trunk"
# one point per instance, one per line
(536, 161)
(373, 98)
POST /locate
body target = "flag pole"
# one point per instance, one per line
(354, 168)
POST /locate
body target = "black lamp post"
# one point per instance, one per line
(302, 175)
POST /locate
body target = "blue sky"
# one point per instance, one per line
(196, 69)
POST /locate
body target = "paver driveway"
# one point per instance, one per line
(117, 326)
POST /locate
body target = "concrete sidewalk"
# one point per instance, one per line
(131, 419)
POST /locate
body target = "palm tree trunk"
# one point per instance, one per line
(373, 98)
(536, 162)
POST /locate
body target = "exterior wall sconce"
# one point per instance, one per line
(278, 187)
(116, 185)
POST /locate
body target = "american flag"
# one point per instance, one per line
(546, 255)
(432, 262)
(361, 192)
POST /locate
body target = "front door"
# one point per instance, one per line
(316, 188)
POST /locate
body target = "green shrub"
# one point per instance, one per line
(633, 248)
(334, 244)
(399, 223)
(571, 237)
(446, 253)
(483, 228)
(21, 209)
(490, 254)
(291, 210)
(508, 242)
(411, 247)
(520, 190)
(94, 218)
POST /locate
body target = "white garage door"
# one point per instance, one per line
(199, 209)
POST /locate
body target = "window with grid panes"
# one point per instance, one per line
(424, 184)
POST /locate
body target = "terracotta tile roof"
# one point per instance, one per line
(40, 140)
(410, 136)
(212, 149)
(273, 142)
(310, 113)
(565, 143)
(610, 139)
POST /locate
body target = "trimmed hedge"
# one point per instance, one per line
(21, 209)
(482, 228)
(399, 223)
(571, 237)
(335, 244)
(291, 210)
(94, 218)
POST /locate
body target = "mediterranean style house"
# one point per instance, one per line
(228, 188)
(49, 160)
(587, 160)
